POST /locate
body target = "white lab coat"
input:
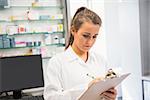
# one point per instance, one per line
(66, 75)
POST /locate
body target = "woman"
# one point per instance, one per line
(66, 76)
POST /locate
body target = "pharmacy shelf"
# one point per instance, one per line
(3, 21)
(46, 15)
(30, 6)
(57, 45)
(39, 20)
(35, 33)
(59, 20)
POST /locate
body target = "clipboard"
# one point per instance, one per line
(93, 92)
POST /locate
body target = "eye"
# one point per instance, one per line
(94, 36)
(86, 36)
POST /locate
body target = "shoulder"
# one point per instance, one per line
(56, 58)
(59, 58)
(54, 63)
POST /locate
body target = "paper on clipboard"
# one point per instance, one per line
(93, 92)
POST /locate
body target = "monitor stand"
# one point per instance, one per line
(17, 94)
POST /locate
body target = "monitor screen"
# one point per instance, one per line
(21, 72)
(3, 3)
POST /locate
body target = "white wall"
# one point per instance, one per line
(123, 43)
(131, 58)
(112, 32)
(75, 4)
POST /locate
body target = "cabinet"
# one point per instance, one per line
(33, 27)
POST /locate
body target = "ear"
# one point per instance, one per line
(73, 30)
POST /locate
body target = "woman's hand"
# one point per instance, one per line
(109, 94)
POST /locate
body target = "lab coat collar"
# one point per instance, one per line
(72, 56)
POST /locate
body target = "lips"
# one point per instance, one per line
(88, 46)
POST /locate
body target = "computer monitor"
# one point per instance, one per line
(3, 3)
(20, 72)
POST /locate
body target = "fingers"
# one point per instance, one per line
(112, 91)
(104, 97)
(110, 94)
(99, 78)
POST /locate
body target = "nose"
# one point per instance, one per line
(90, 41)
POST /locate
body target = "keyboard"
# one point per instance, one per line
(33, 98)
(26, 98)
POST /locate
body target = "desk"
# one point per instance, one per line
(27, 94)
(23, 98)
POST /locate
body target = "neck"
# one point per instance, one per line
(81, 54)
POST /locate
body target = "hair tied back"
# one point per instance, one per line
(79, 10)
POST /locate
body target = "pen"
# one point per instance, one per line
(90, 76)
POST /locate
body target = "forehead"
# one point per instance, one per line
(89, 28)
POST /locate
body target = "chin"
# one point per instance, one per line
(86, 49)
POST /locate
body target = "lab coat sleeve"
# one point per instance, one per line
(53, 89)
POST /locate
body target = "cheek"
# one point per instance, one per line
(94, 41)
(78, 40)
(81, 40)
(91, 43)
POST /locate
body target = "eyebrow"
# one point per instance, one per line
(90, 33)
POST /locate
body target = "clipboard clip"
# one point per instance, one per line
(111, 74)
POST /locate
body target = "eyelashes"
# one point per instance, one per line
(86, 36)
(89, 37)
(94, 36)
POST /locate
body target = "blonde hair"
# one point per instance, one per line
(82, 15)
